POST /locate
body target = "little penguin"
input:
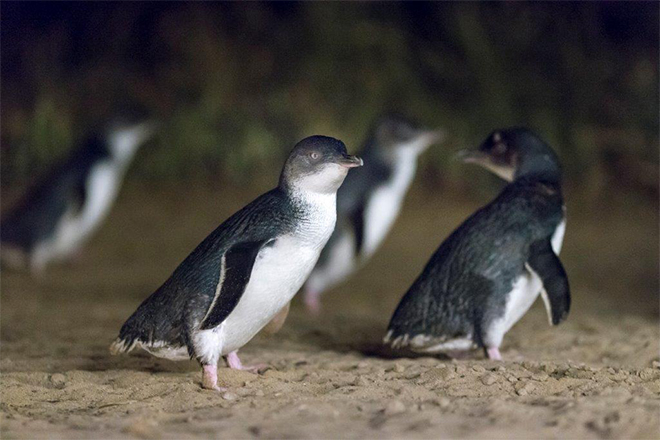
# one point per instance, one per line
(486, 275)
(369, 201)
(248, 269)
(58, 215)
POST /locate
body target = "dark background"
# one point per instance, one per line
(236, 84)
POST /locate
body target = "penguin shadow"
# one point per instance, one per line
(347, 334)
(138, 361)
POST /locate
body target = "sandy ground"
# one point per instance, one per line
(595, 376)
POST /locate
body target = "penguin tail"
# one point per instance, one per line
(396, 340)
(120, 346)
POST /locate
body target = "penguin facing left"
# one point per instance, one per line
(486, 275)
(55, 219)
(248, 269)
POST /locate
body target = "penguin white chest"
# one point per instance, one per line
(279, 272)
(74, 228)
(385, 203)
(523, 293)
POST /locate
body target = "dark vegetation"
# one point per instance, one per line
(236, 84)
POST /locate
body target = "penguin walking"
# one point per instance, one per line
(55, 219)
(369, 201)
(486, 275)
(246, 270)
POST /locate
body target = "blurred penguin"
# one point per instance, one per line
(369, 201)
(57, 216)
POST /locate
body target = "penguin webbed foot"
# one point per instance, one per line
(312, 301)
(234, 362)
(210, 378)
(493, 353)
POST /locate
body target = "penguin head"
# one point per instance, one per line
(123, 138)
(393, 132)
(317, 164)
(515, 152)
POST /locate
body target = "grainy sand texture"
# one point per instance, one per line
(595, 376)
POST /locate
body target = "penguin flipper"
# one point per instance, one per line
(237, 264)
(556, 291)
(357, 221)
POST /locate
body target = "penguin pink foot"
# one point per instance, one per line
(493, 354)
(210, 378)
(313, 302)
(235, 363)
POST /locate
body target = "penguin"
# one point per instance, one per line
(58, 215)
(486, 275)
(369, 201)
(248, 269)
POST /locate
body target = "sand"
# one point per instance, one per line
(595, 376)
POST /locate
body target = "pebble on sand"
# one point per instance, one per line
(394, 407)
(488, 379)
(230, 396)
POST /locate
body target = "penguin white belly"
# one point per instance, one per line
(74, 228)
(524, 292)
(278, 273)
(384, 205)
(558, 237)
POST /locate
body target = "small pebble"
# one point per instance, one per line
(524, 388)
(478, 368)
(443, 402)
(230, 396)
(548, 368)
(399, 368)
(58, 379)
(655, 364)
(259, 393)
(394, 407)
(540, 377)
(488, 379)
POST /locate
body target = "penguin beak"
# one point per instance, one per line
(349, 161)
(434, 136)
(482, 159)
(472, 156)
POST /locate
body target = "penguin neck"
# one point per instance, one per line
(316, 214)
(395, 158)
(544, 168)
(301, 197)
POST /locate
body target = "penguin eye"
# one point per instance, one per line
(314, 155)
(499, 148)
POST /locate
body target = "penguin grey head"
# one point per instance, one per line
(317, 164)
(515, 152)
(394, 132)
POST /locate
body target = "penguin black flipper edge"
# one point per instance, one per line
(556, 292)
(237, 264)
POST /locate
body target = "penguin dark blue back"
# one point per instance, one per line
(489, 271)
